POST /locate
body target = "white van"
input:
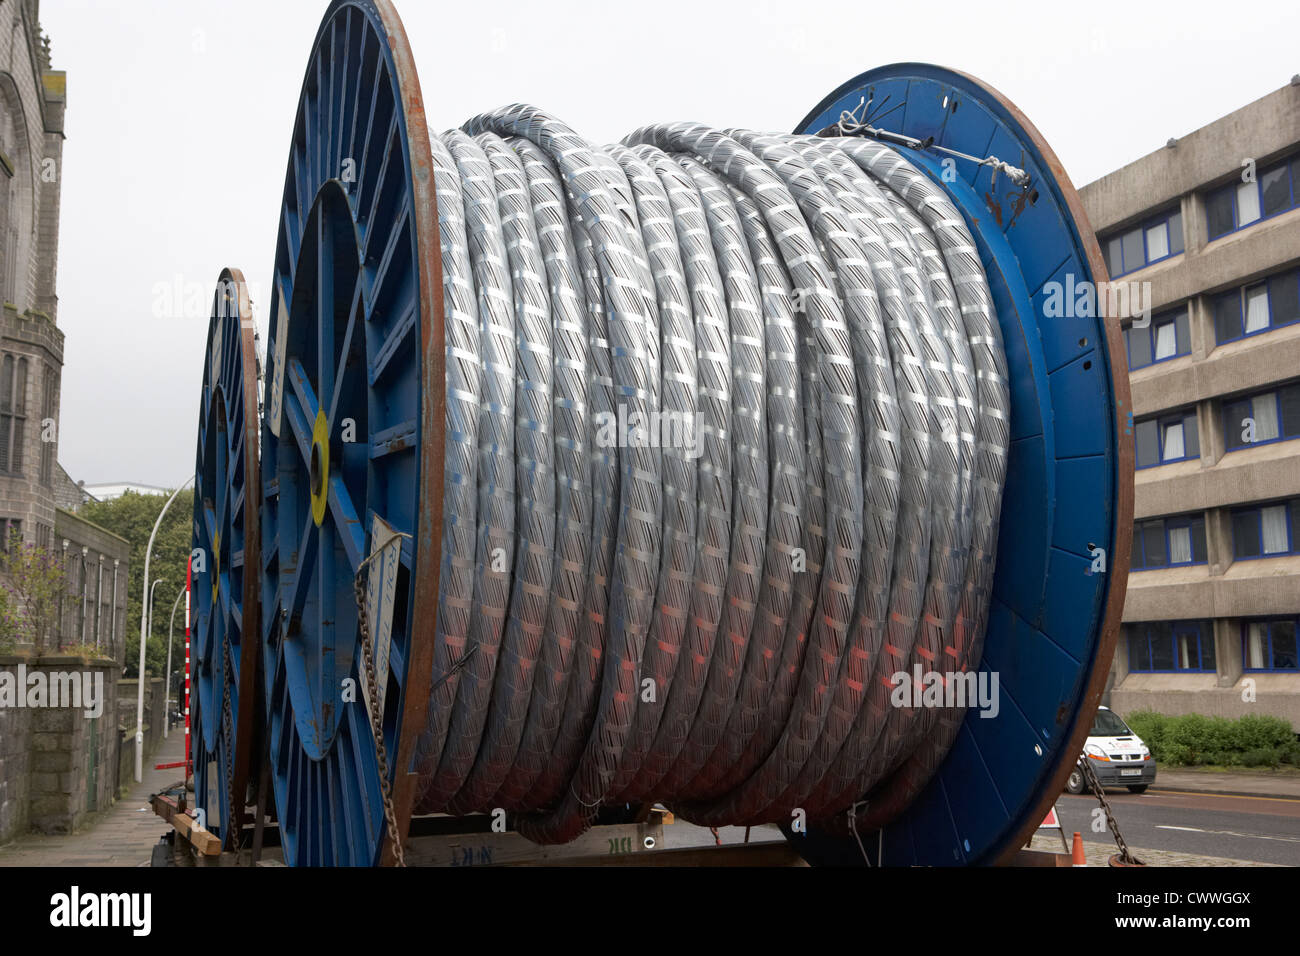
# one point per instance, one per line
(1119, 757)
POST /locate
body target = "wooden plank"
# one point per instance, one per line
(1039, 858)
(208, 844)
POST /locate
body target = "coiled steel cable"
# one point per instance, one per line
(727, 426)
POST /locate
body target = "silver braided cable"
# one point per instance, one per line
(534, 483)
(713, 475)
(679, 391)
(496, 477)
(727, 434)
(992, 438)
(573, 498)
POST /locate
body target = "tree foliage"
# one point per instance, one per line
(132, 516)
(33, 581)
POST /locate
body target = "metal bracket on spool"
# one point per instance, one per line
(849, 125)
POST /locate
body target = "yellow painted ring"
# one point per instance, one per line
(320, 445)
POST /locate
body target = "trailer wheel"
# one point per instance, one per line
(162, 852)
(1074, 783)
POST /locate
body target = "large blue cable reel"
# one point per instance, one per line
(226, 542)
(353, 439)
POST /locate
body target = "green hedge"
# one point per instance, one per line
(1194, 739)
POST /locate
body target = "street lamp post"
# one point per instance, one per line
(85, 595)
(112, 618)
(167, 694)
(153, 587)
(63, 621)
(139, 699)
(99, 603)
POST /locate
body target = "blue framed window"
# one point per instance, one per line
(1270, 645)
(1165, 337)
(1168, 542)
(1158, 238)
(1273, 416)
(1257, 308)
(1237, 205)
(1167, 438)
(1266, 531)
(1171, 646)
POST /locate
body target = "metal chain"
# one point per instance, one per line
(376, 718)
(1090, 775)
(228, 729)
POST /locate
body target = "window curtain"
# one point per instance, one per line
(1257, 309)
(1256, 645)
(1247, 203)
(1157, 242)
(1174, 441)
(1166, 341)
(1264, 411)
(1180, 545)
(1273, 520)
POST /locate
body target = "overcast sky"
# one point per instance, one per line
(180, 112)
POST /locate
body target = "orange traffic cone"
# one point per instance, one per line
(1076, 852)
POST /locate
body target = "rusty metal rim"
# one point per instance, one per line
(244, 731)
(427, 566)
(249, 649)
(1123, 515)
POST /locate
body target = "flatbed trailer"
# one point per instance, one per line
(658, 839)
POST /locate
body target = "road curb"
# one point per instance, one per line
(1259, 794)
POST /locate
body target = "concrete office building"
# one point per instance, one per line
(1212, 222)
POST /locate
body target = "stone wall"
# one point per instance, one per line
(58, 765)
(68, 494)
(153, 723)
(15, 765)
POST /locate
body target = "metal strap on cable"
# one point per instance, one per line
(727, 425)
(851, 125)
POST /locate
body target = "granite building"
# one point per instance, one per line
(33, 492)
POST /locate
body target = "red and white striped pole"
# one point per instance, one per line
(189, 572)
(186, 762)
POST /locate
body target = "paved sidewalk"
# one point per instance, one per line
(1246, 783)
(122, 836)
(1099, 852)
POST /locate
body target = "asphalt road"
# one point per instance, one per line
(1259, 829)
